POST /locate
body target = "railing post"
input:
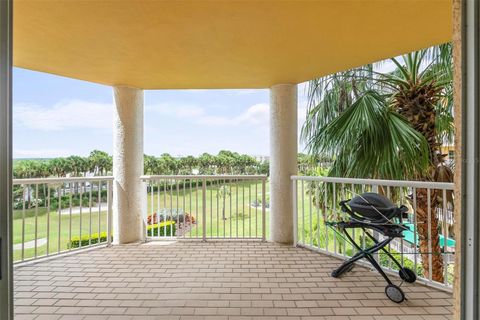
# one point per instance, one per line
(295, 213)
(264, 235)
(204, 210)
(145, 211)
(109, 212)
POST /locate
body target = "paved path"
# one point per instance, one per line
(30, 244)
(76, 210)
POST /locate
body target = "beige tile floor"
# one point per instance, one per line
(213, 280)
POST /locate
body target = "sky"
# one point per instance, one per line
(55, 116)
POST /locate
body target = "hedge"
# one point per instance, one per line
(166, 228)
(87, 240)
(385, 260)
(93, 239)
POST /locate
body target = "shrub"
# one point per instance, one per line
(87, 239)
(166, 228)
(385, 260)
(65, 202)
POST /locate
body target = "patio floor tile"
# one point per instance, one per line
(217, 280)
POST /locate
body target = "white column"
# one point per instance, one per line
(128, 194)
(283, 160)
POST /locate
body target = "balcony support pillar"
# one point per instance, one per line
(128, 193)
(283, 160)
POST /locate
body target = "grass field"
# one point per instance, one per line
(229, 214)
(241, 218)
(50, 226)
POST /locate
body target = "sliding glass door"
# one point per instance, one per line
(6, 285)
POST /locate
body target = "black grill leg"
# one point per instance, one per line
(367, 253)
(375, 264)
(347, 265)
(386, 252)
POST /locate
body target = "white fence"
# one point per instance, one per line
(316, 201)
(58, 215)
(206, 207)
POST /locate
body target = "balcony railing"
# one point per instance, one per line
(206, 207)
(59, 215)
(317, 201)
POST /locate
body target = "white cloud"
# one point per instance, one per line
(64, 115)
(256, 114)
(385, 66)
(77, 114)
(214, 120)
(176, 110)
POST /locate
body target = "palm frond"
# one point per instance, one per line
(349, 116)
(369, 140)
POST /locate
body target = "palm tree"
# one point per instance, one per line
(225, 161)
(206, 162)
(59, 167)
(187, 164)
(100, 162)
(150, 164)
(26, 169)
(389, 126)
(222, 194)
(169, 163)
(247, 165)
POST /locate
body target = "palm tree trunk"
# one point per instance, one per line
(429, 252)
(417, 104)
(29, 197)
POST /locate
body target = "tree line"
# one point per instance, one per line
(99, 163)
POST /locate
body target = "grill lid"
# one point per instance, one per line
(368, 203)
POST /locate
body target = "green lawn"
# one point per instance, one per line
(242, 220)
(51, 222)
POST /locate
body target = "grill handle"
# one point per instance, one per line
(403, 212)
(343, 205)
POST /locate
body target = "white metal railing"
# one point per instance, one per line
(58, 215)
(206, 206)
(316, 200)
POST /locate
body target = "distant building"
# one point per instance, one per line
(449, 151)
(261, 158)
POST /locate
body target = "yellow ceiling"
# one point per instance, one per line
(160, 44)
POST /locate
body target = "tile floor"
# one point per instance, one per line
(213, 280)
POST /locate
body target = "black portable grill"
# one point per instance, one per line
(375, 212)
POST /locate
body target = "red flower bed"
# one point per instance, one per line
(153, 218)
